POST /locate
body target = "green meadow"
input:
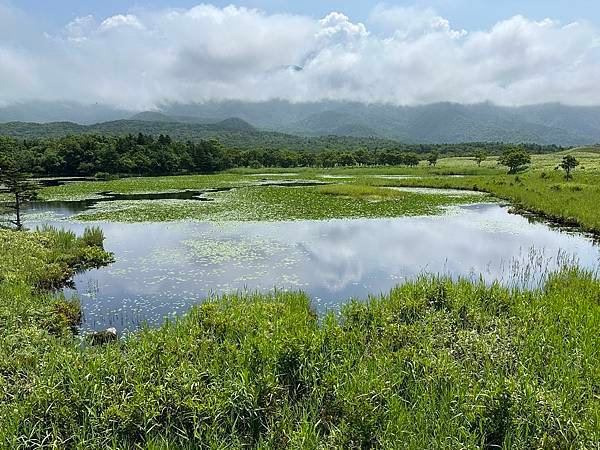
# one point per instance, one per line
(542, 189)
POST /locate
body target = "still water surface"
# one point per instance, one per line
(163, 268)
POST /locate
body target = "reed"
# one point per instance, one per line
(436, 363)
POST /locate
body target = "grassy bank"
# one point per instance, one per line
(48, 257)
(548, 194)
(542, 189)
(434, 364)
(33, 319)
(32, 265)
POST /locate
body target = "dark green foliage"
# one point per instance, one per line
(568, 164)
(136, 153)
(142, 154)
(102, 337)
(515, 159)
(480, 156)
(433, 158)
(18, 186)
(65, 315)
(105, 176)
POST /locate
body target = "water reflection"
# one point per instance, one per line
(58, 208)
(163, 268)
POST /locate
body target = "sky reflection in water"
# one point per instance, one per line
(162, 269)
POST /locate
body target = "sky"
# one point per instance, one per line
(141, 54)
(469, 14)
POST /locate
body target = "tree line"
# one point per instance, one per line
(90, 155)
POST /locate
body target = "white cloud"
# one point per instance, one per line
(80, 27)
(121, 20)
(402, 56)
(338, 28)
(410, 22)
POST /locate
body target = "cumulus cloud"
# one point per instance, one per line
(410, 22)
(120, 20)
(80, 27)
(338, 28)
(400, 56)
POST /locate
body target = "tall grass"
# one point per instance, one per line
(93, 237)
(435, 364)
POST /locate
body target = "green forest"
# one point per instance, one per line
(88, 155)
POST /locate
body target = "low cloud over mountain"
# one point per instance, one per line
(398, 56)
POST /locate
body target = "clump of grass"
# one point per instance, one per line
(47, 257)
(67, 254)
(66, 315)
(93, 237)
(63, 240)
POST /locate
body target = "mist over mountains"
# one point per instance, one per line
(435, 123)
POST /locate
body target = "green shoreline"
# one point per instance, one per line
(435, 363)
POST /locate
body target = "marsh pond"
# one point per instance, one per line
(165, 261)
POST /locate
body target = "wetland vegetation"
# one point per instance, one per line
(277, 225)
(449, 357)
(434, 363)
(542, 189)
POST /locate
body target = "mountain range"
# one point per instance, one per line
(435, 123)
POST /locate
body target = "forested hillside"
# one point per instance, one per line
(433, 123)
(233, 133)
